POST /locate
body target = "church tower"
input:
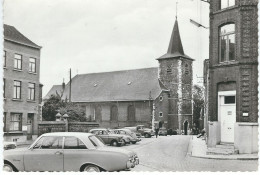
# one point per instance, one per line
(175, 72)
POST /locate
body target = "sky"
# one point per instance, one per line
(107, 35)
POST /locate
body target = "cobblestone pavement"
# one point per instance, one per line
(170, 153)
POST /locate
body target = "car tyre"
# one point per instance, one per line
(133, 142)
(114, 143)
(123, 143)
(8, 168)
(91, 168)
(146, 135)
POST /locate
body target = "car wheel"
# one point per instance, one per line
(123, 142)
(8, 168)
(133, 142)
(114, 143)
(91, 168)
(146, 135)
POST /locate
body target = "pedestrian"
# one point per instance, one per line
(156, 132)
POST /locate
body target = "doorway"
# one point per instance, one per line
(186, 127)
(227, 115)
(30, 117)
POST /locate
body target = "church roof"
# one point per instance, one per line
(55, 89)
(13, 35)
(125, 85)
(175, 48)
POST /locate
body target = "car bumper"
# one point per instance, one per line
(132, 164)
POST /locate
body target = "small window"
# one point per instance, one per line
(74, 143)
(160, 114)
(18, 61)
(229, 100)
(32, 65)
(169, 69)
(227, 3)
(186, 69)
(4, 87)
(161, 98)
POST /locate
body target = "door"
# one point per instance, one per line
(46, 155)
(30, 126)
(227, 116)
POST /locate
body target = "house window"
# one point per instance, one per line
(16, 122)
(227, 3)
(160, 114)
(17, 89)
(4, 59)
(227, 43)
(31, 91)
(18, 61)
(229, 100)
(4, 87)
(32, 65)
(161, 98)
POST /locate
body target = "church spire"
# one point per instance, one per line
(175, 48)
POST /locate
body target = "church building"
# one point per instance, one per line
(154, 97)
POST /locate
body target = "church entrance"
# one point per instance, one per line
(186, 127)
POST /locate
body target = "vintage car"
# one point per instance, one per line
(128, 132)
(142, 131)
(162, 132)
(109, 137)
(69, 151)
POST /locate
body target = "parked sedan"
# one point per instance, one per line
(108, 137)
(162, 132)
(132, 135)
(69, 151)
(9, 145)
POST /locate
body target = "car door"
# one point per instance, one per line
(46, 155)
(76, 154)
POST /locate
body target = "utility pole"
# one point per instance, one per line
(70, 87)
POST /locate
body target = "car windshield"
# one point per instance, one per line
(96, 141)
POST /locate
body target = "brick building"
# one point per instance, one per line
(22, 89)
(155, 97)
(233, 74)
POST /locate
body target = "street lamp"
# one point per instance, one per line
(65, 117)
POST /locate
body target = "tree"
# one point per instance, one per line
(198, 105)
(55, 104)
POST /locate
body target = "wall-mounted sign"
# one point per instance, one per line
(245, 114)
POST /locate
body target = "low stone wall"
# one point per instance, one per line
(62, 126)
(246, 137)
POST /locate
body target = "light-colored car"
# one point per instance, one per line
(9, 145)
(162, 132)
(69, 151)
(126, 138)
(128, 132)
(109, 137)
(142, 131)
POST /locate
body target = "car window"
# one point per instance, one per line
(73, 143)
(96, 141)
(50, 142)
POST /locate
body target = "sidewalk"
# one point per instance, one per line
(198, 148)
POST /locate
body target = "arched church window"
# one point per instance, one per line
(227, 3)
(98, 114)
(131, 113)
(114, 113)
(227, 43)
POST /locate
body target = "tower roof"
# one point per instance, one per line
(175, 48)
